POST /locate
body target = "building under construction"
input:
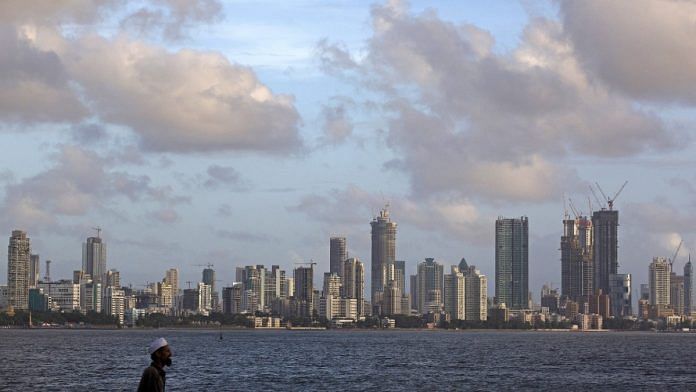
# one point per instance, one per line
(577, 272)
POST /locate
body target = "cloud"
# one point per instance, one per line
(468, 120)
(165, 215)
(243, 236)
(182, 101)
(34, 84)
(222, 175)
(172, 18)
(78, 182)
(336, 125)
(174, 101)
(644, 48)
(351, 209)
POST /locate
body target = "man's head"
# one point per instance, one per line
(160, 352)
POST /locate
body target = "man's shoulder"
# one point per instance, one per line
(151, 371)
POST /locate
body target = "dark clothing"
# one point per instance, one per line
(153, 379)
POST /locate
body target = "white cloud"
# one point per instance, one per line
(644, 48)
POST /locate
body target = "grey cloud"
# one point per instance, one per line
(89, 133)
(224, 175)
(34, 85)
(54, 12)
(644, 48)
(78, 182)
(354, 207)
(172, 18)
(336, 124)
(225, 210)
(165, 215)
(243, 236)
(466, 119)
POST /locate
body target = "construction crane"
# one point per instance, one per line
(577, 212)
(99, 230)
(188, 282)
(599, 202)
(209, 265)
(676, 252)
(610, 200)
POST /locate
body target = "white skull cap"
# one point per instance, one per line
(156, 345)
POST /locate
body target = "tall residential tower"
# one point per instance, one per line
(18, 259)
(383, 254)
(512, 262)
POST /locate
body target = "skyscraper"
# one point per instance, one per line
(354, 282)
(34, 276)
(605, 244)
(430, 286)
(383, 253)
(512, 262)
(253, 280)
(688, 288)
(18, 257)
(676, 293)
(338, 254)
(659, 281)
(304, 289)
(209, 279)
(620, 295)
(171, 277)
(475, 294)
(332, 285)
(94, 258)
(577, 276)
(454, 294)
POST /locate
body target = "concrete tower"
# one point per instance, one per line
(18, 259)
(94, 258)
(338, 254)
(605, 243)
(383, 254)
(512, 262)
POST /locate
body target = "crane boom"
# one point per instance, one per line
(596, 197)
(676, 252)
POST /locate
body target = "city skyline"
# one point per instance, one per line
(454, 113)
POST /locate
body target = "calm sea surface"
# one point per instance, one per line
(88, 360)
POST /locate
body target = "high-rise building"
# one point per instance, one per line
(332, 285)
(454, 294)
(676, 293)
(112, 278)
(304, 290)
(430, 286)
(512, 262)
(577, 276)
(383, 254)
(475, 294)
(688, 288)
(275, 285)
(338, 254)
(620, 295)
(253, 278)
(18, 266)
(114, 303)
(94, 258)
(205, 292)
(171, 277)
(34, 276)
(232, 299)
(209, 279)
(659, 281)
(391, 304)
(65, 295)
(605, 245)
(354, 282)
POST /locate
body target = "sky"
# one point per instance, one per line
(249, 132)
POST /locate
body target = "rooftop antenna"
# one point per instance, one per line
(47, 278)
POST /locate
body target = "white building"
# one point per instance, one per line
(65, 294)
(114, 303)
(659, 281)
(455, 294)
(476, 294)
